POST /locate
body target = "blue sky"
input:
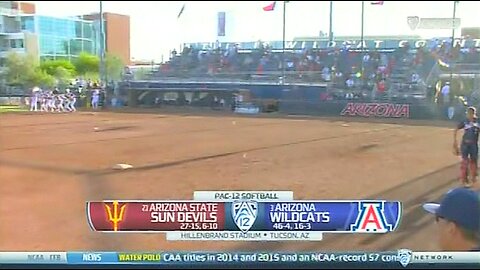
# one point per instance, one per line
(155, 29)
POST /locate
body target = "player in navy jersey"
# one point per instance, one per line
(469, 147)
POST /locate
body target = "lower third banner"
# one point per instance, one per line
(245, 216)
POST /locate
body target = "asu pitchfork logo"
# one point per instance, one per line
(115, 216)
(371, 218)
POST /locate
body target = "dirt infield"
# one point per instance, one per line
(51, 164)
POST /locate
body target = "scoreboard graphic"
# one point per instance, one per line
(252, 216)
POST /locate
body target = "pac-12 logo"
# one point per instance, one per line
(404, 256)
(371, 218)
(244, 214)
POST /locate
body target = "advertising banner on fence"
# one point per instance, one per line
(382, 110)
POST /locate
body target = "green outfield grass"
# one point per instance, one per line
(12, 109)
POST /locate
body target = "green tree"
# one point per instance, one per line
(19, 69)
(40, 78)
(114, 67)
(51, 66)
(63, 77)
(24, 70)
(87, 63)
(141, 73)
(94, 76)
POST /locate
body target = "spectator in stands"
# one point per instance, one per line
(338, 64)
(349, 95)
(350, 83)
(326, 74)
(415, 78)
(458, 220)
(380, 88)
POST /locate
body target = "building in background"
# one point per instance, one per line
(24, 7)
(47, 37)
(11, 36)
(117, 34)
(61, 38)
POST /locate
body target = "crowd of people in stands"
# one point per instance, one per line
(353, 72)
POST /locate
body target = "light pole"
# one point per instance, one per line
(453, 43)
(362, 37)
(283, 42)
(103, 72)
(330, 31)
(102, 45)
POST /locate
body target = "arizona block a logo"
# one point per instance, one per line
(371, 218)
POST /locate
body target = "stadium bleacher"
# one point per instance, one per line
(399, 73)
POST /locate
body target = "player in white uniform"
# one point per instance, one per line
(60, 101)
(95, 99)
(34, 99)
(51, 101)
(48, 100)
(44, 102)
(71, 102)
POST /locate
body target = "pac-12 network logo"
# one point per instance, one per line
(244, 214)
(371, 218)
(115, 216)
(404, 256)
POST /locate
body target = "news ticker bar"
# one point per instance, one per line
(402, 258)
(245, 215)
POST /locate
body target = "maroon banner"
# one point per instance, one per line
(377, 110)
(156, 216)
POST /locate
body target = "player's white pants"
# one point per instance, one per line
(33, 104)
(60, 107)
(44, 106)
(95, 104)
(51, 105)
(67, 106)
(71, 105)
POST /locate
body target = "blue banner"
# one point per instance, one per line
(325, 216)
(399, 259)
(351, 43)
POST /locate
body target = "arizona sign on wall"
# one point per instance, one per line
(386, 110)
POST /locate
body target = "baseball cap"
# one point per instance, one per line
(459, 205)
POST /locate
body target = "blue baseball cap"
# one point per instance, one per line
(459, 205)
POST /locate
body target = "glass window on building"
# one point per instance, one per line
(78, 29)
(76, 46)
(62, 37)
(61, 45)
(28, 24)
(88, 46)
(88, 30)
(47, 46)
(16, 44)
(4, 44)
(45, 25)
